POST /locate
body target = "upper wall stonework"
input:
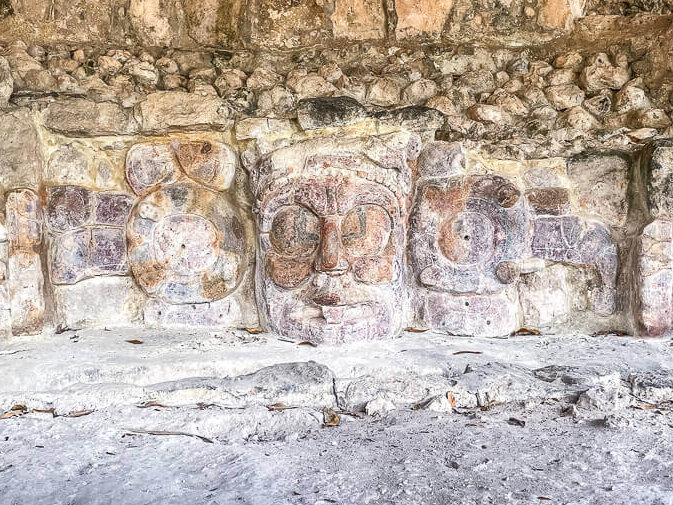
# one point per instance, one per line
(284, 24)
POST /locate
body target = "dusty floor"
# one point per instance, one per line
(185, 418)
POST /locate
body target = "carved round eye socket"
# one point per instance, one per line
(295, 231)
(365, 230)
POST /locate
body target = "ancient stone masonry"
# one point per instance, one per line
(337, 171)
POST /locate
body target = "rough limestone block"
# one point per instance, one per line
(545, 298)
(26, 291)
(560, 14)
(601, 182)
(219, 313)
(358, 19)
(6, 83)
(23, 220)
(68, 163)
(166, 110)
(660, 181)
(99, 302)
(79, 117)
(424, 18)
(285, 24)
(549, 201)
(485, 316)
(655, 279)
(68, 208)
(20, 150)
(569, 239)
(111, 209)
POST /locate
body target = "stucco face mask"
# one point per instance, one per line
(331, 259)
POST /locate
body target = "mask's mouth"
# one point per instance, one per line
(341, 314)
(335, 314)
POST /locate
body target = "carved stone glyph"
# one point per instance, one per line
(186, 239)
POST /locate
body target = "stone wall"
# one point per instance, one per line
(183, 172)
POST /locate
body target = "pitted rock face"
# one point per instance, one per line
(462, 229)
(655, 279)
(330, 263)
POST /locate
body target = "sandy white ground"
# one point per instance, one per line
(575, 419)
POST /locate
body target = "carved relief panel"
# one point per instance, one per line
(187, 241)
(468, 234)
(331, 245)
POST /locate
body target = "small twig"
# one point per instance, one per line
(164, 433)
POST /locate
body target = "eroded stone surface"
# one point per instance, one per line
(655, 279)
(462, 228)
(601, 182)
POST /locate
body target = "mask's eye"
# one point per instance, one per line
(295, 231)
(365, 230)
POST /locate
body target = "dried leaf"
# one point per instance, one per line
(164, 433)
(277, 407)
(451, 398)
(51, 411)
(467, 352)
(254, 331)
(516, 422)
(543, 498)
(526, 331)
(19, 407)
(330, 417)
(12, 413)
(136, 342)
(645, 406)
(415, 330)
(79, 413)
(153, 404)
(306, 342)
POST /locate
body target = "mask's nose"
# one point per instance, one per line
(331, 258)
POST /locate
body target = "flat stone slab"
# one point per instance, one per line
(92, 369)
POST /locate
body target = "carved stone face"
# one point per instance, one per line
(331, 259)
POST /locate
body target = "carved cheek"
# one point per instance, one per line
(288, 272)
(373, 270)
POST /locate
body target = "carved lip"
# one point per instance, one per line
(335, 315)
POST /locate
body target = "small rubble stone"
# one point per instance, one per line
(489, 114)
(418, 92)
(314, 86)
(383, 91)
(565, 96)
(262, 78)
(577, 118)
(599, 73)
